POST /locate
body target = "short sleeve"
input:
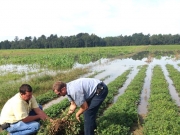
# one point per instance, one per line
(34, 103)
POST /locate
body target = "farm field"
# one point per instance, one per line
(143, 84)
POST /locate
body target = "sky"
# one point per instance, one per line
(104, 18)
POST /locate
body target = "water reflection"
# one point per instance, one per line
(18, 68)
(145, 93)
(30, 71)
(127, 82)
(117, 67)
(172, 89)
(156, 54)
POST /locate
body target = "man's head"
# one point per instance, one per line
(26, 92)
(59, 88)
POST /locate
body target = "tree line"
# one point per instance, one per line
(89, 40)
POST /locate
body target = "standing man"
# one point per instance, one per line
(86, 93)
(16, 115)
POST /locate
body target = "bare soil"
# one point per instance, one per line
(137, 128)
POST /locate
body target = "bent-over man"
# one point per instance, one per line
(86, 93)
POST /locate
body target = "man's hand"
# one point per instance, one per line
(70, 112)
(51, 120)
(72, 108)
(78, 117)
(83, 108)
(42, 117)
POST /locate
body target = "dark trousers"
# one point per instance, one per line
(91, 112)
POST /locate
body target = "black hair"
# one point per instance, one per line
(25, 88)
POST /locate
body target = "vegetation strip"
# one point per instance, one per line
(120, 117)
(174, 74)
(63, 58)
(163, 117)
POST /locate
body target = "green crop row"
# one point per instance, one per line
(174, 74)
(163, 117)
(153, 48)
(119, 118)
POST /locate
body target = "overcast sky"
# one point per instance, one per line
(103, 18)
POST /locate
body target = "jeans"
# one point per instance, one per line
(91, 112)
(21, 128)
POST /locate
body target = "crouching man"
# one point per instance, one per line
(16, 115)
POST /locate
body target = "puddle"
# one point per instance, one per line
(30, 71)
(172, 89)
(17, 68)
(116, 67)
(127, 82)
(145, 93)
(142, 107)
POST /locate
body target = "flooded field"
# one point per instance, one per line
(111, 69)
(116, 67)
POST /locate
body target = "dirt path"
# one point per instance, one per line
(55, 101)
(137, 129)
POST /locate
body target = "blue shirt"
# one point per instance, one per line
(81, 90)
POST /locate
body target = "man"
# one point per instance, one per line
(86, 93)
(16, 113)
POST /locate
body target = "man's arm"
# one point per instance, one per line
(31, 118)
(40, 115)
(72, 107)
(83, 108)
(40, 112)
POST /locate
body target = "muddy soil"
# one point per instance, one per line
(137, 128)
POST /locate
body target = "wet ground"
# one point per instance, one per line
(114, 68)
